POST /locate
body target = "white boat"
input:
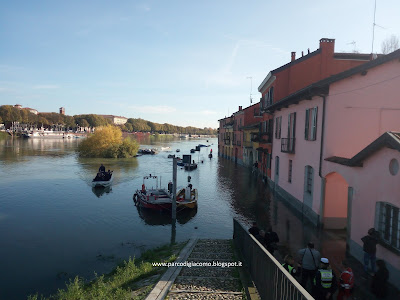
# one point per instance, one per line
(103, 179)
(50, 134)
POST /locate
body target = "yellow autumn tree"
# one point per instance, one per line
(107, 142)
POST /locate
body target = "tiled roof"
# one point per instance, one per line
(322, 86)
(389, 139)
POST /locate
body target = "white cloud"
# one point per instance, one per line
(46, 87)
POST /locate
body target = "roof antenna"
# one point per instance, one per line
(373, 30)
(354, 45)
(251, 88)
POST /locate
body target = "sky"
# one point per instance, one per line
(186, 63)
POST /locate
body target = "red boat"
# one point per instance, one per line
(161, 199)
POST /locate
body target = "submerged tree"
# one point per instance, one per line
(107, 142)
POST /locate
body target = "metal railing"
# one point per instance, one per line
(287, 145)
(273, 282)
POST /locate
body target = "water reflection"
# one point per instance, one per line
(156, 218)
(14, 150)
(100, 191)
(123, 168)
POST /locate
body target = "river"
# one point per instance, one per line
(54, 226)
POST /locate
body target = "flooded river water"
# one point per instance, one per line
(54, 226)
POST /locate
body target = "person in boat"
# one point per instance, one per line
(102, 169)
(143, 188)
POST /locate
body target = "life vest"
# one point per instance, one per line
(289, 268)
(326, 278)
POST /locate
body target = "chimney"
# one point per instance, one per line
(308, 51)
(240, 108)
(327, 45)
(293, 56)
(302, 53)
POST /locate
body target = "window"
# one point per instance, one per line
(268, 161)
(309, 179)
(389, 224)
(269, 97)
(277, 165)
(292, 126)
(310, 132)
(290, 171)
(278, 124)
(264, 127)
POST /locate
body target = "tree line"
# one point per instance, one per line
(9, 114)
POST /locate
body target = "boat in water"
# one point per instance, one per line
(147, 151)
(103, 179)
(160, 199)
(48, 134)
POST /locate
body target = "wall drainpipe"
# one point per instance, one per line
(322, 202)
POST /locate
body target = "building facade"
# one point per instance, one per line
(329, 158)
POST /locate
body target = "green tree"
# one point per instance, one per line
(107, 142)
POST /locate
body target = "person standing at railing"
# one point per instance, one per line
(289, 265)
(309, 261)
(325, 284)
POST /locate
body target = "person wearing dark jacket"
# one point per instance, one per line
(102, 169)
(325, 284)
(379, 281)
(289, 265)
(254, 230)
(369, 247)
(271, 239)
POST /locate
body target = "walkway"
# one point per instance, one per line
(205, 282)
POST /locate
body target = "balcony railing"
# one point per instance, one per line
(227, 141)
(239, 143)
(257, 112)
(287, 145)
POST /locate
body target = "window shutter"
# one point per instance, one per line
(280, 126)
(306, 128)
(314, 129)
(271, 98)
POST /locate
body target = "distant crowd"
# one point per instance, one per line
(315, 273)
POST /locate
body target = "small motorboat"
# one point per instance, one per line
(161, 199)
(178, 150)
(147, 151)
(103, 179)
(153, 198)
(190, 166)
(192, 150)
(187, 197)
(171, 155)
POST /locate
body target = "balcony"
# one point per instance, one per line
(227, 141)
(257, 112)
(287, 145)
(228, 124)
(247, 144)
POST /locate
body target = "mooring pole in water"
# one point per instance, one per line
(174, 170)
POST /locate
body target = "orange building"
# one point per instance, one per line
(292, 77)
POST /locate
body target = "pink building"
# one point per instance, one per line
(335, 158)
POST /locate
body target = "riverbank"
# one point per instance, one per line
(132, 279)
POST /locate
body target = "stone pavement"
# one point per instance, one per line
(207, 282)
